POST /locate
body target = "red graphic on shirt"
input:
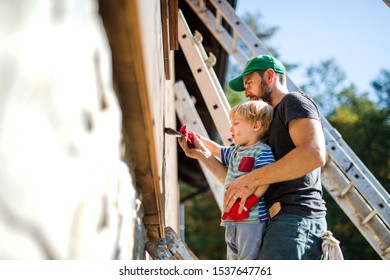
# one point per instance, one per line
(246, 164)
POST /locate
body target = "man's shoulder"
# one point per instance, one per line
(299, 98)
(295, 96)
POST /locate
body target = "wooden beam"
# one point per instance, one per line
(121, 22)
(165, 31)
(173, 24)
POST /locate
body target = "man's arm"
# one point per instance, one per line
(309, 153)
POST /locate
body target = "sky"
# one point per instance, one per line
(355, 33)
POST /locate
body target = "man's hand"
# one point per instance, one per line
(233, 213)
(241, 188)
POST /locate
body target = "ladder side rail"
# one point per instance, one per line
(205, 82)
(356, 160)
(189, 116)
(243, 29)
(240, 27)
(374, 230)
(222, 36)
(210, 60)
(375, 198)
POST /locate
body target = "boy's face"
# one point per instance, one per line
(243, 133)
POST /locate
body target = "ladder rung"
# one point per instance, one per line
(377, 196)
(369, 217)
(222, 36)
(246, 34)
(202, 6)
(346, 190)
(218, 21)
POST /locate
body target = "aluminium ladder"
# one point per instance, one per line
(345, 177)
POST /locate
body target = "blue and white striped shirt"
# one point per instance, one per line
(242, 160)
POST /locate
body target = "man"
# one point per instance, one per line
(292, 184)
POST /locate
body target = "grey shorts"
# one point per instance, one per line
(244, 241)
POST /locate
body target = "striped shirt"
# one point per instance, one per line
(242, 160)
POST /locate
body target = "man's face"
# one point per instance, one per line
(257, 88)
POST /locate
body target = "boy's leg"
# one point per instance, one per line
(249, 239)
(230, 238)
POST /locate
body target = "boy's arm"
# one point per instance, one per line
(212, 146)
(260, 191)
(204, 155)
(263, 159)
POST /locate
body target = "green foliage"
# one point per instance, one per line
(382, 88)
(325, 80)
(232, 96)
(203, 232)
(366, 129)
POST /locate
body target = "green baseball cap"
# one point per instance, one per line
(261, 62)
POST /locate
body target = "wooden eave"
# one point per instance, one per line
(121, 22)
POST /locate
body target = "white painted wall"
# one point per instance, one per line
(64, 191)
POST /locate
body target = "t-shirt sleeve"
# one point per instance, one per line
(297, 106)
(225, 155)
(265, 157)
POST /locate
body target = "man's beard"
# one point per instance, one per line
(266, 91)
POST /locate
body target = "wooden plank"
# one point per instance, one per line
(165, 31)
(173, 24)
(121, 21)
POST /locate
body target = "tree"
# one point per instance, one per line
(357, 117)
(382, 88)
(325, 81)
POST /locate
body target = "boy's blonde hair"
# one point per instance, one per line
(252, 112)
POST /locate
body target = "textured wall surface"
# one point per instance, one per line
(64, 191)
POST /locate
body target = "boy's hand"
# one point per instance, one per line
(192, 145)
(189, 136)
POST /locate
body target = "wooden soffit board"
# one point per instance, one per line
(122, 26)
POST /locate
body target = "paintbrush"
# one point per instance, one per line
(171, 131)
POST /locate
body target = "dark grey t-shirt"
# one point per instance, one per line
(301, 196)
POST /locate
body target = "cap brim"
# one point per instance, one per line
(237, 84)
